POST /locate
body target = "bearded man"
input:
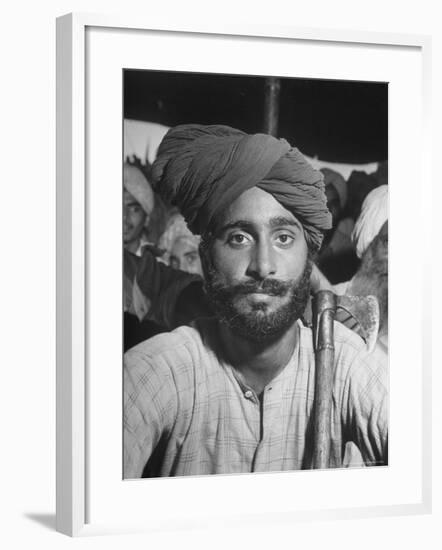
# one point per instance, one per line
(234, 393)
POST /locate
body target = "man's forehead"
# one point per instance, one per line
(256, 207)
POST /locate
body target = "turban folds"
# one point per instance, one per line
(204, 169)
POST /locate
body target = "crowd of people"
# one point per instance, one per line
(173, 258)
(156, 235)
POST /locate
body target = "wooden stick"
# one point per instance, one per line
(324, 310)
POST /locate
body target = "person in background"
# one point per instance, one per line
(372, 279)
(140, 258)
(370, 237)
(337, 259)
(336, 193)
(159, 298)
(181, 246)
(374, 213)
(138, 205)
(360, 184)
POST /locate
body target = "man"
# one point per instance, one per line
(374, 213)
(370, 237)
(337, 259)
(181, 246)
(138, 205)
(235, 393)
(150, 292)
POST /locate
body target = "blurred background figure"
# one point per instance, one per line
(360, 184)
(181, 247)
(138, 205)
(372, 278)
(337, 259)
(374, 213)
(370, 237)
(336, 191)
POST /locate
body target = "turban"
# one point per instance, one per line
(137, 185)
(204, 169)
(176, 227)
(374, 213)
(334, 178)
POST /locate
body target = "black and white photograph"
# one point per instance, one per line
(255, 254)
(220, 223)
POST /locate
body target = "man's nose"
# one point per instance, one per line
(262, 262)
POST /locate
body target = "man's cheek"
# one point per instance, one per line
(231, 267)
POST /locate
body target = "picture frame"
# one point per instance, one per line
(91, 495)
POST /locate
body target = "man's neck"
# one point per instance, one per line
(258, 362)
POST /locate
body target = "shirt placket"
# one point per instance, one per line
(266, 415)
(252, 405)
(270, 407)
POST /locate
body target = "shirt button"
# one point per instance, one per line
(248, 394)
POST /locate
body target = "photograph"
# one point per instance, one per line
(255, 273)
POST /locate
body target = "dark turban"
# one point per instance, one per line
(203, 169)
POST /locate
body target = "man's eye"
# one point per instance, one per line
(285, 239)
(238, 239)
(191, 258)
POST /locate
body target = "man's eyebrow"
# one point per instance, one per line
(243, 224)
(274, 223)
(283, 220)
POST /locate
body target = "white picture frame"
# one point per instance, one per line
(82, 66)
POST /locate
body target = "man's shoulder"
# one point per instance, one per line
(344, 338)
(182, 345)
(351, 358)
(354, 359)
(347, 338)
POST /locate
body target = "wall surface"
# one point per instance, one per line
(27, 403)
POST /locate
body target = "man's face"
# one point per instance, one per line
(134, 218)
(184, 255)
(257, 269)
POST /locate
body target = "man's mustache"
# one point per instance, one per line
(271, 287)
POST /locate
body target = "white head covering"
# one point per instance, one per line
(374, 213)
(176, 227)
(137, 185)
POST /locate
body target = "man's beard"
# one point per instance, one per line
(257, 324)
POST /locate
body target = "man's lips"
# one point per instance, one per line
(268, 288)
(260, 293)
(258, 296)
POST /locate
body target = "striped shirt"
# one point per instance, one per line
(188, 412)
